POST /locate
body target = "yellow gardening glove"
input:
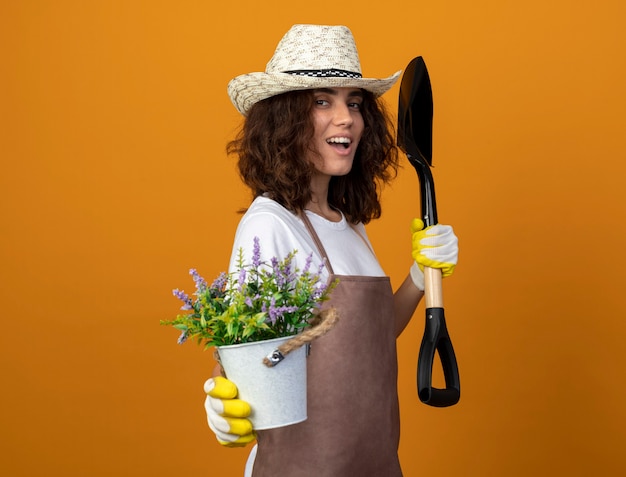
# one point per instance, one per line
(434, 247)
(226, 414)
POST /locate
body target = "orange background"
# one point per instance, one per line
(114, 183)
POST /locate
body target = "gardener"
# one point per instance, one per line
(315, 147)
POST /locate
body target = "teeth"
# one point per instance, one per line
(338, 140)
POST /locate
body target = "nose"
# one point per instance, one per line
(343, 115)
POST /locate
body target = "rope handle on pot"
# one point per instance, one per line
(320, 325)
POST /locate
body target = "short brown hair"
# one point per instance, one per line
(276, 138)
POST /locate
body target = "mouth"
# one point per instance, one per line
(339, 142)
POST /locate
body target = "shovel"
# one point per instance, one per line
(415, 127)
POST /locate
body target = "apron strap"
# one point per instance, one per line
(318, 242)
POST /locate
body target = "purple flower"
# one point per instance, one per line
(307, 264)
(256, 253)
(242, 278)
(276, 312)
(275, 269)
(320, 269)
(182, 296)
(220, 281)
(282, 272)
(182, 338)
(199, 281)
(287, 272)
(319, 291)
(272, 310)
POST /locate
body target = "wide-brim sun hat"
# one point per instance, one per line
(307, 57)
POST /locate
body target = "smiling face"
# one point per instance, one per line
(338, 128)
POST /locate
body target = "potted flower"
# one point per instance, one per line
(256, 317)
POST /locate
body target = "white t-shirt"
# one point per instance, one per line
(280, 232)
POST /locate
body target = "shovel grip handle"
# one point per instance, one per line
(436, 339)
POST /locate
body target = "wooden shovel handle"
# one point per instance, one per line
(433, 293)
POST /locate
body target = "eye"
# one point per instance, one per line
(355, 105)
(321, 102)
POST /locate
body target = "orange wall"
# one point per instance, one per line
(114, 183)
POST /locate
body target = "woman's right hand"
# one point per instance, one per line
(226, 414)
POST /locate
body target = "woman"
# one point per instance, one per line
(315, 147)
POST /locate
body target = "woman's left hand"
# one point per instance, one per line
(435, 247)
